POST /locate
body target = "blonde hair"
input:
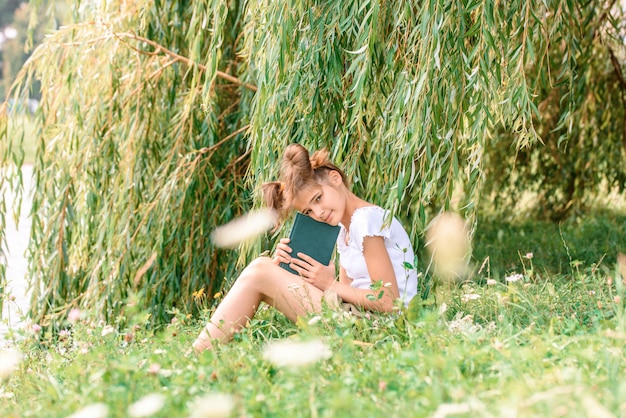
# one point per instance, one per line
(298, 170)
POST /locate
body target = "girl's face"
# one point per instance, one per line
(324, 202)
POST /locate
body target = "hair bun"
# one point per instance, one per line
(320, 159)
(295, 161)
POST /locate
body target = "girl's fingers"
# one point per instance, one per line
(283, 247)
(310, 260)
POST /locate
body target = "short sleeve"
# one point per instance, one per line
(369, 222)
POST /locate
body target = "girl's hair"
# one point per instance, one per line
(297, 172)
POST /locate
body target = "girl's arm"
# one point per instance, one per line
(379, 268)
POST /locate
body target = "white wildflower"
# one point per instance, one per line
(295, 354)
(446, 409)
(491, 282)
(147, 406)
(516, 277)
(9, 361)
(470, 296)
(244, 228)
(108, 329)
(217, 405)
(96, 410)
(463, 324)
(6, 395)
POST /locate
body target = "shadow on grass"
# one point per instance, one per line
(593, 238)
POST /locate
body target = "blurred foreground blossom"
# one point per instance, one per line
(217, 405)
(97, 410)
(147, 406)
(514, 278)
(491, 282)
(448, 243)
(244, 228)
(296, 354)
(74, 315)
(9, 360)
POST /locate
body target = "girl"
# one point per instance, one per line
(371, 250)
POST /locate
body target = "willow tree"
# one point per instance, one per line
(159, 119)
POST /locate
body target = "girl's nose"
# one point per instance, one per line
(319, 213)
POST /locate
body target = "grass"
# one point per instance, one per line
(550, 344)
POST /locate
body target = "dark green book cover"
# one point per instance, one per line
(313, 238)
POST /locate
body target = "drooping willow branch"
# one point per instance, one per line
(177, 57)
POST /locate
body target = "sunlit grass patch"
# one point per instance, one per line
(524, 341)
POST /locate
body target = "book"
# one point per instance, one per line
(313, 238)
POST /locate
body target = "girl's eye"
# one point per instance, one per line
(318, 198)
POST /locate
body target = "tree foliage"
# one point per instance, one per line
(159, 119)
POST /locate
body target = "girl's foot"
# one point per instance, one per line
(202, 343)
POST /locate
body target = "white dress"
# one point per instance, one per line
(369, 221)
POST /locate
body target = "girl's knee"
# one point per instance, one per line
(257, 270)
(259, 266)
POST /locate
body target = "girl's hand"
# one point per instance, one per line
(314, 272)
(283, 252)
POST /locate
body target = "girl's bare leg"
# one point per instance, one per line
(261, 281)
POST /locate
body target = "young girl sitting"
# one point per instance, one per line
(371, 250)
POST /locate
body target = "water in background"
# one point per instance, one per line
(13, 311)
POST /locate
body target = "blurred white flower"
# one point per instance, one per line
(74, 315)
(147, 406)
(296, 354)
(9, 360)
(447, 240)
(491, 282)
(516, 277)
(10, 32)
(443, 308)
(96, 410)
(315, 320)
(244, 228)
(215, 405)
(107, 330)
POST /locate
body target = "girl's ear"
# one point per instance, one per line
(335, 178)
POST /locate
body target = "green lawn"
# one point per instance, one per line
(552, 343)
